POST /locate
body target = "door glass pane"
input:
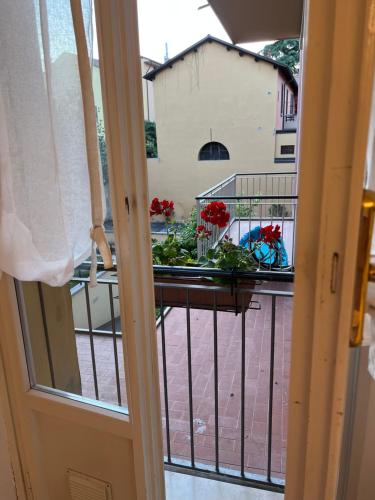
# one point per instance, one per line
(72, 333)
(73, 337)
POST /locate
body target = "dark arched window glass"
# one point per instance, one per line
(213, 151)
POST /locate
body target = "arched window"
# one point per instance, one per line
(213, 151)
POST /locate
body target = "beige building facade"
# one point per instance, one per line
(215, 92)
(147, 65)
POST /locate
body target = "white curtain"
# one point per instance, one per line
(45, 207)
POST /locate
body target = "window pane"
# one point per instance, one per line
(213, 151)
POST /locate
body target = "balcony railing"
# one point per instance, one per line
(223, 368)
(195, 369)
(253, 200)
(290, 122)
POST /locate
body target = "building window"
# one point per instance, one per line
(292, 105)
(282, 100)
(213, 151)
(287, 150)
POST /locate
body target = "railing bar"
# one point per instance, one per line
(165, 377)
(261, 276)
(217, 186)
(115, 353)
(243, 361)
(257, 174)
(294, 228)
(202, 271)
(247, 175)
(241, 291)
(216, 385)
(190, 379)
(99, 281)
(282, 230)
(254, 197)
(206, 471)
(239, 222)
(46, 335)
(96, 333)
(271, 382)
(250, 215)
(92, 348)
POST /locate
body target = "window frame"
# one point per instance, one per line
(221, 154)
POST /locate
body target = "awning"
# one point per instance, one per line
(258, 20)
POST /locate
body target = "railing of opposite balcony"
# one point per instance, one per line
(253, 200)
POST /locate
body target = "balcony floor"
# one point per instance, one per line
(229, 367)
(186, 487)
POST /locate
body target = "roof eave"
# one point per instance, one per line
(209, 39)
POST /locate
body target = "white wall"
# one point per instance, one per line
(64, 445)
(99, 305)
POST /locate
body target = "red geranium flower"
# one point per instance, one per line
(202, 233)
(216, 214)
(270, 234)
(155, 207)
(163, 207)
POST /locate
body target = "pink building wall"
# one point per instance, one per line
(280, 82)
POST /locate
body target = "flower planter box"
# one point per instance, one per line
(228, 300)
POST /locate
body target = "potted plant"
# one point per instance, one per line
(200, 292)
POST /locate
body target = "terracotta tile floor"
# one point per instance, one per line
(258, 330)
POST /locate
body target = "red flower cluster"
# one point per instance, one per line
(270, 234)
(216, 213)
(164, 207)
(202, 232)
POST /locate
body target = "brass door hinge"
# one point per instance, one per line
(365, 270)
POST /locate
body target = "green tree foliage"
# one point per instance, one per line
(284, 51)
(102, 151)
(151, 151)
(151, 144)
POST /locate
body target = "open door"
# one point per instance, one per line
(338, 77)
(66, 442)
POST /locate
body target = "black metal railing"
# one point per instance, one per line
(217, 467)
(201, 321)
(109, 329)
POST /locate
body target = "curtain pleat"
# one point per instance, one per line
(95, 172)
(50, 183)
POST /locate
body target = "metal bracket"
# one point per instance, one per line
(255, 305)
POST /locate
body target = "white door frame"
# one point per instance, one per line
(337, 91)
(120, 72)
(11, 452)
(123, 111)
